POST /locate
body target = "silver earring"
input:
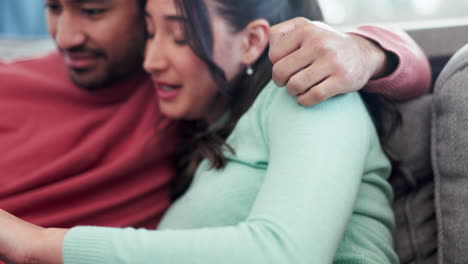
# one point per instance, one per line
(249, 71)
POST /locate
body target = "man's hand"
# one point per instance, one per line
(315, 62)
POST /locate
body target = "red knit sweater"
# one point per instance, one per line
(72, 157)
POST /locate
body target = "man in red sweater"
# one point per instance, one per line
(82, 138)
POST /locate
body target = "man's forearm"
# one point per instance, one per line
(406, 71)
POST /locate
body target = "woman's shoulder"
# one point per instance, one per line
(276, 114)
(274, 100)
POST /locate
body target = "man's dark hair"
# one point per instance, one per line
(142, 3)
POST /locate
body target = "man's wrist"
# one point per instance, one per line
(382, 62)
(387, 66)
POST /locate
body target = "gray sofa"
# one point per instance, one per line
(430, 154)
(449, 152)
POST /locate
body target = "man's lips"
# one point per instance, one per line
(80, 61)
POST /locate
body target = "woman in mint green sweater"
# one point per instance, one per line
(273, 182)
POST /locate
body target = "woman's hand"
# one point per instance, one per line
(24, 243)
(16, 237)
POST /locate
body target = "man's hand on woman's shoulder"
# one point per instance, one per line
(315, 62)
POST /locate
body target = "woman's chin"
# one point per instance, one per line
(176, 115)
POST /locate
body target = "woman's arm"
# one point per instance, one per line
(368, 238)
(300, 213)
(22, 242)
(299, 216)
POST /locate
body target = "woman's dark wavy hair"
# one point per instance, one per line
(200, 140)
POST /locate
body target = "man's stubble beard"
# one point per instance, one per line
(113, 73)
(119, 69)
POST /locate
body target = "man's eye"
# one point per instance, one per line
(93, 11)
(52, 7)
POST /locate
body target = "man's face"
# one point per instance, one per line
(102, 41)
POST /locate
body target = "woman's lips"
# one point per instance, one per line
(167, 91)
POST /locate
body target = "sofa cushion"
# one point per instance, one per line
(412, 180)
(449, 150)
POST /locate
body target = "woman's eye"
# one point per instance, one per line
(180, 41)
(149, 33)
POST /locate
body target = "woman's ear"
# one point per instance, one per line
(255, 40)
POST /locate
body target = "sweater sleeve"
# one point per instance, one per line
(412, 76)
(368, 238)
(317, 160)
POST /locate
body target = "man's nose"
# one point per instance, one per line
(69, 33)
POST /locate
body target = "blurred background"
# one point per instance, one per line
(351, 12)
(25, 18)
(23, 30)
(22, 18)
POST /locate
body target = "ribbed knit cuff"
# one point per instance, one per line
(386, 40)
(356, 259)
(86, 245)
(412, 76)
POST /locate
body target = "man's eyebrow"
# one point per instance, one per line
(89, 1)
(175, 18)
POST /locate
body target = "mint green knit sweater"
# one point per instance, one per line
(305, 186)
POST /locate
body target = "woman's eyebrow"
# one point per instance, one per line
(175, 18)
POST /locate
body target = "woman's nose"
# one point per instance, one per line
(155, 57)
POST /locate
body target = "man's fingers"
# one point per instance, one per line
(282, 40)
(282, 29)
(309, 77)
(316, 62)
(319, 93)
(290, 65)
(284, 46)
